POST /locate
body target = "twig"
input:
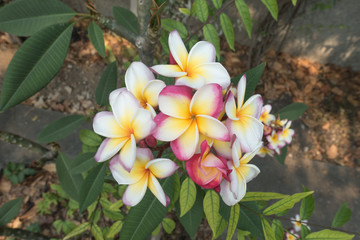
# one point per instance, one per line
(22, 234)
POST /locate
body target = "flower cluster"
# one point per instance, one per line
(214, 130)
(277, 133)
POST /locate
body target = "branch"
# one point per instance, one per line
(143, 12)
(22, 234)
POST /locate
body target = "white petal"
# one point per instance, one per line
(127, 154)
(124, 108)
(108, 148)
(105, 124)
(178, 49)
(136, 77)
(156, 189)
(230, 107)
(236, 152)
(241, 87)
(201, 52)
(152, 90)
(134, 193)
(168, 70)
(162, 167)
(213, 73)
(121, 175)
(114, 94)
(249, 171)
(142, 124)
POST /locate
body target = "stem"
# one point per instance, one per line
(22, 234)
(161, 149)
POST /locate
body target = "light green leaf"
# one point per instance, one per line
(228, 30)
(96, 232)
(281, 158)
(329, 235)
(307, 206)
(304, 231)
(211, 209)
(60, 128)
(240, 235)
(83, 162)
(113, 215)
(212, 36)
(90, 138)
(170, 25)
(268, 232)
(26, 17)
(114, 229)
(69, 182)
(106, 84)
(9, 210)
(168, 225)
(185, 11)
(58, 224)
(78, 230)
(294, 2)
(91, 186)
(286, 203)
(277, 229)
(272, 6)
(156, 230)
(233, 220)
(96, 38)
(217, 3)
(221, 226)
(342, 216)
(116, 205)
(201, 10)
(187, 195)
(126, 18)
(244, 12)
(35, 63)
(293, 111)
(262, 196)
(249, 220)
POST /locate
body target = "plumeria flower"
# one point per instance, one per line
(287, 133)
(265, 116)
(275, 142)
(184, 116)
(243, 118)
(297, 222)
(123, 128)
(291, 235)
(143, 175)
(266, 151)
(140, 81)
(206, 169)
(241, 173)
(193, 69)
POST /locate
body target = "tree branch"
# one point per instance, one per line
(143, 12)
(22, 234)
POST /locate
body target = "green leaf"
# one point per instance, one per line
(69, 182)
(96, 232)
(211, 209)
(168, 225)
(249, 220)
(116, 205)
(78, 230)
(185, 11)
(217, 3)
(201, 10)
(60, 128)
(114, 229)
(156, 230)
(83, 162)
(272, 6)
(147, 215)
(242, 234)
(90, 138)
(286, 203)
(293, 111)
(221, 226)
(252, 78)
(96, 37)
(164, 42)
(106, 84)
(187, 195)
(277, 229)
(68, 226)
(233, 220)
(212, 36)
(91, 186)
(304, 231)
(307, 206)
(262, 196)
(9, 211)
(329, 235)
(26, 17)
(281, 158)
(342, 216)
(170, 25)
(268, 232)
(228, 30)
(244, 13)
(294, 2)
(35, 63)
(58, 224)
(126, 18)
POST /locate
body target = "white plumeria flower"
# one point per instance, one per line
(242, 172)
(123, 128)
(287, 133)
(194, 69)
(291, 236)
(265, 116)
(141, 82)
(297, 222)
(265, 151)
(144, 174)
(243, 118)
(274, 141)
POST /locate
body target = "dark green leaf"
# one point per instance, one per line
(69, 182)
(126, 18)
(244, 12)
(329, 235)
(252, 78)
(304, 231)
(106, 84)
(217, 3)
(29, 171)
(35, 64)
(83, 163)
(272, 6)
(293, 111)
(201, 10)
(212, 36)
(9, 210)
(187, 196)
(281, 158)
(277, 229)
(268, 232)
(97, 39)
(342, 216)
(307, 206)
(26, 17)
(249, 220)
(170, 25)
(164, 41)
(228, 30)
(60, 128)
(90, 138)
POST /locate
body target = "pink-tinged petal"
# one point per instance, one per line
(134, 193)
(156, 189)
(207, 101)
(248, 156)
(152, 90)
(213, 73)
(203, 138)
(232, 192)
(194, 81)
(266, 108)
(248, 130)
(252, 107)
(184, 147)
(143, 156)
(175, 101)
(212, 161)
(230, 107)
(200, 175)
(105, 124)
(142, 124)
(249, 171)
(168, 70)
(127, 154)
(241, 87)
(151, 110)
(236, 153)
(170, 128)
(114, 94)
(223, 148)
(136, 77)
(124, 108)
(178, 49)
(162, 167)
(109, 147)
(213, 128)
(201, 52)
(226, 194)
(121, 175)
